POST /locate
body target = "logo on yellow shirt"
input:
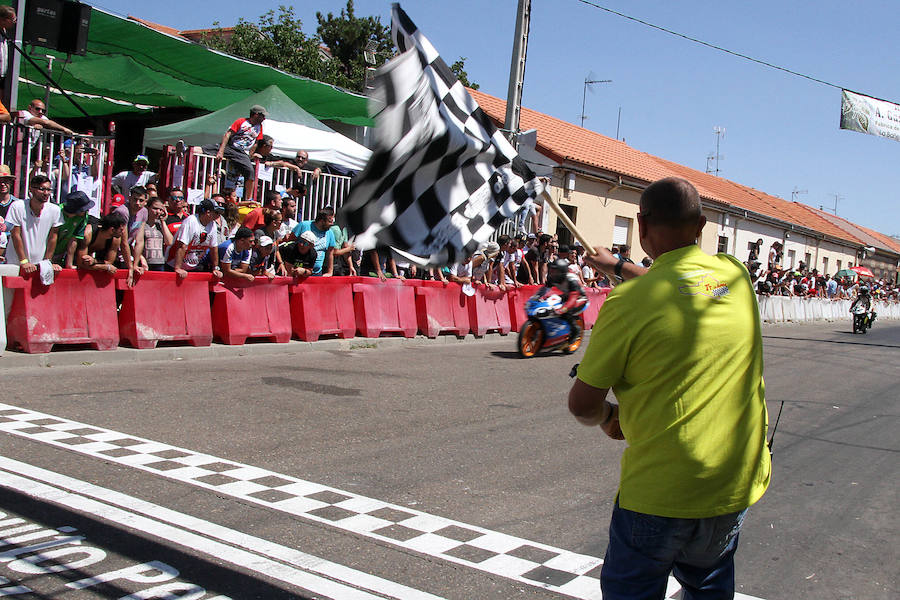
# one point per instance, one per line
(706, 286)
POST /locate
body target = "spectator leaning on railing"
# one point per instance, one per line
(234, 255)
(196, 243)
(262, 257)
(299, 256)
(75, 232)
(35, 116)
(325, 242)
(108, 250)
(34, 227)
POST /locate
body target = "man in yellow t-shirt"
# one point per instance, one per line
(680, 345)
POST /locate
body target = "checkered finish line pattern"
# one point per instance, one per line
(536, 564)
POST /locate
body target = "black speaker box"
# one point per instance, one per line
(58, 24)
(76, 22)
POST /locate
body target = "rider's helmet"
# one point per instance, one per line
(557, 271)
(863, 290)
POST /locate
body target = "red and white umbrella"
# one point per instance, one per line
(863, 272)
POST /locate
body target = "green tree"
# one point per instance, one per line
(277, 40)
(346, 37)
(459, 69)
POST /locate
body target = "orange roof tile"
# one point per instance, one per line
(161, 28)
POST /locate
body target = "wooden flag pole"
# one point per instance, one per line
(588, 248)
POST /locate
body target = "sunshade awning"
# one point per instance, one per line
(131, 62)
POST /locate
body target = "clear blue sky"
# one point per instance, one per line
(781, 131)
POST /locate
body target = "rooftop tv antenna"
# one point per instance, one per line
(797, 192)
(720, 134)
(836, 198)
(588, 81)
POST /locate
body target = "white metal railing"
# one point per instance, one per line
(200, 175)
(71, 162)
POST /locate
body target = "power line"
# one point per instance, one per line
(713, 46)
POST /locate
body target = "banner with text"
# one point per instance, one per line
(870, 115)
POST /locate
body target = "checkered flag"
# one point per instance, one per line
(442, 177)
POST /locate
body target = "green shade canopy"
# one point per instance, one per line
(133, 63)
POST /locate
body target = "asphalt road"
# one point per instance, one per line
(432, 470)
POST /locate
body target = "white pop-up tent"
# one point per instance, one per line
(292, 128)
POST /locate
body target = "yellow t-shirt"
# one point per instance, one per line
(681, 348)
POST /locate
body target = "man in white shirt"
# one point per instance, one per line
(138, 175)
(196, 243)
(34, 227)
(36, 116)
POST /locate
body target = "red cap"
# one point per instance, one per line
(118, 200)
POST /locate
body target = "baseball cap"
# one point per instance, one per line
(308, 236)
(257, 108)
(264, 240)
(208, 205)
(532, 236)
(117, 200)
(77, 202)
(5, 172)
(141, 158)
(491, 249)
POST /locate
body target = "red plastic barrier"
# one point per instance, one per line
(596, 296)
(440, 308)
(488, 311)
(384, 307)
(242, 310)
(323, 306)
(78, 308)
(161, 307)
(517, 299)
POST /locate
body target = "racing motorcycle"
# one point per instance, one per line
(545, 330)
(862, 318)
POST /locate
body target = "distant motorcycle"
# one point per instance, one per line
(545, 330)
(862, 318)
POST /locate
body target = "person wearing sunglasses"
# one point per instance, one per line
(36, 116)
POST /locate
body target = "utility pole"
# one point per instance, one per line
(517, 72)
(588, 82)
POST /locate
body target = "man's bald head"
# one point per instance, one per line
(671, 202)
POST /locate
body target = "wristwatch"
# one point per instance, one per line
(618, 269)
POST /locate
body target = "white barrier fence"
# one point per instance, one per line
(779, 309)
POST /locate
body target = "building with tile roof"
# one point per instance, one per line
(598, 180)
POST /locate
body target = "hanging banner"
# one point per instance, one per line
(870, 115)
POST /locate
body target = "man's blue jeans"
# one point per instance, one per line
(644, 549)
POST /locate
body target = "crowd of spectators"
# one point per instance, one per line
(773, 279)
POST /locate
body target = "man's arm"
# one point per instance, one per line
(328, 269)
(139, 259)
(52, 238)
(180, 251)
(590, 406)
(19, 244)
(49, 124)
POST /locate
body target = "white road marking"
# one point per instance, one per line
(240, 549)
(525, 561)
